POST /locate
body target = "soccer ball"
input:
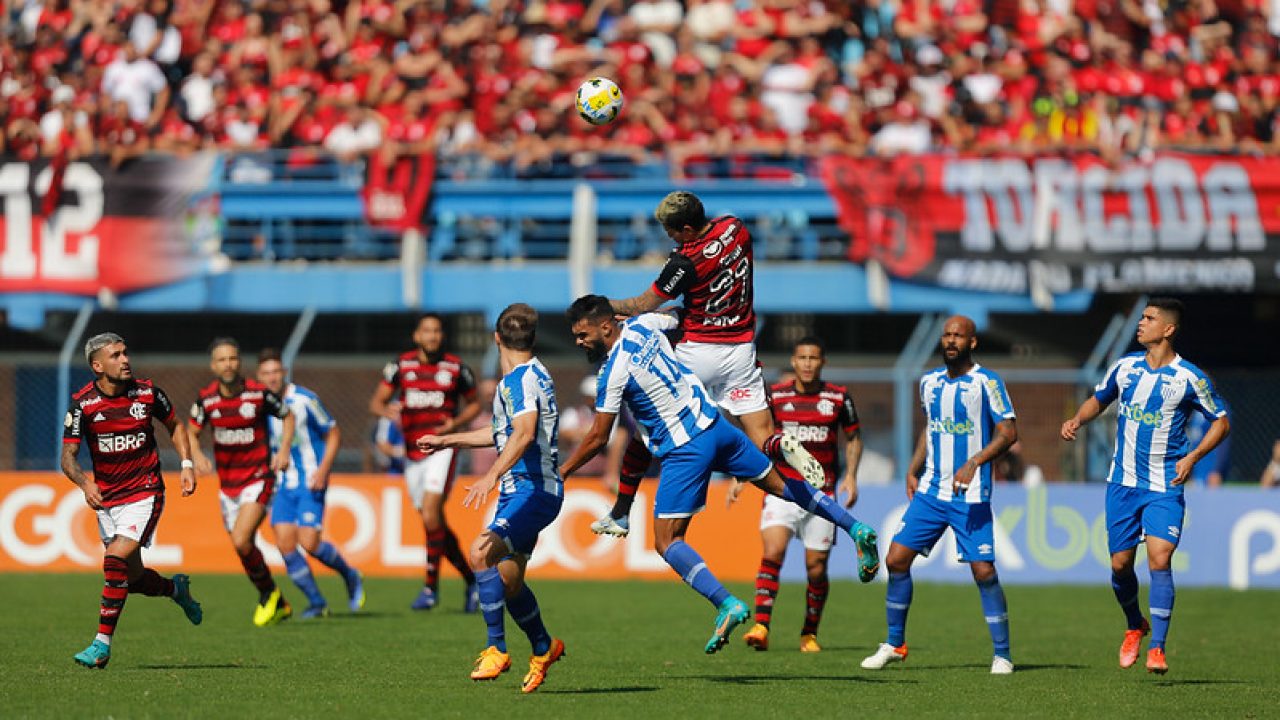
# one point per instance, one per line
(599, 101)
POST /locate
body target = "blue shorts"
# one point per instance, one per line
(927, 518)
(522, 515)
(1134, 512)
(686, 471)
(298, 506)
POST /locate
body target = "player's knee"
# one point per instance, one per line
(817, 572)
(243, 547)
(897, 563)
(1121, 565)
(982, 571)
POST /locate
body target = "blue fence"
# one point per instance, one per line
(1056, 534)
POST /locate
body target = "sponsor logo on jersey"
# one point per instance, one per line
(90, 401)
(740, 394)
(415, 399)
(233, 436)
(1206, 395)
(138, 411)
(248, 411)
(99, 417)
(997, 397)
(951, 427)
(808, 433)
(121, 442)
(1135, 413)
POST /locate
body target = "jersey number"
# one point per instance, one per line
(729, 283)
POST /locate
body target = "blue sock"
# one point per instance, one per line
(689, 565)
(524, 610)
(492, 606)
(996, 611)
(329, 555)
(300, 573)
(897, 601)
(1161, 606)
(1126, 590)
(816, 502)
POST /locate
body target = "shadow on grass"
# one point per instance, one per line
(600, 691)
(765, 679)
(202, 666)
(1194, 681)
(342, 616)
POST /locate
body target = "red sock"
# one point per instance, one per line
(152, 584)
(772, 447)
(115, 590)
(635, 462)
(255, 566)
(766, 590)
(816, 597)
(435, 550)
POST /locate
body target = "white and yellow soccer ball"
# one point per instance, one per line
(599, 101)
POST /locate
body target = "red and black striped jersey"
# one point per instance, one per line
(715, 275)
(429, 393)
(122, 441)
(816, 419)
(240, 438)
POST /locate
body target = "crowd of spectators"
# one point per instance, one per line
(489, 83)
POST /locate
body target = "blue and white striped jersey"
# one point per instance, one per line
(667, 401)
(962, 414)
(529, 388)
(312, 423)
(1152, 417)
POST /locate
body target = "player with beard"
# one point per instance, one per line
(969, 422)
(431, 392)
(116, 414)
(683, 428)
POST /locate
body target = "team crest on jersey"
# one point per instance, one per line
(971, 393)
(826, 407)
(247, 410)
(444, 377)
(411, 376)
(138, 411)
(1173, 389)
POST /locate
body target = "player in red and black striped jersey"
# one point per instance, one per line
(428, 391)
(115, 415)
(713, 268)
(237, 409)
(816, 413)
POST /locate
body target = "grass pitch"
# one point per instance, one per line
(634, 650)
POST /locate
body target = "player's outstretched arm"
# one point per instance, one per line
(524, 429)
(1216, 433)
(597, 437)
(182, 443)
(642, 303)
(71, 468)
(1087, 412)
(480, 437)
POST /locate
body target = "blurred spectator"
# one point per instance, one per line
(1271, 475)
(137, 82)
(388, 447)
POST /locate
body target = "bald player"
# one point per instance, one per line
(969, 422)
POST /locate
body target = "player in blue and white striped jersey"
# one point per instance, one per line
(969, 422)
(530, 492)
(297, 511)
(683, 428)
(1156, 391)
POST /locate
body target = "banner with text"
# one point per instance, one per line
(83, 226)
(1053, 534)
(1189, 223)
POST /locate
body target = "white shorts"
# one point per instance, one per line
(432, 474)
(136, 520)
(729, 372)
(249, 495)
(816, 534)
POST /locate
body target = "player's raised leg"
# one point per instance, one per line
(327, 553)
(145, 581)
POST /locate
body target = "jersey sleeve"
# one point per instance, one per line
(163, 405)
(72, 424)
(466, 382)
(391, 375)
(848, 415)
(1109, 389)
(1204, 396)
(274, 406)
(659, 321)
(676, 277)
(197, 414)
(999, 404)
(521, 392)
(318, 416)
(609, 388)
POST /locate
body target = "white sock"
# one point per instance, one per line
(104, 639)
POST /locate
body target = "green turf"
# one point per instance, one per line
(634, 650)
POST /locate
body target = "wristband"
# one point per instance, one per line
(187, 464)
